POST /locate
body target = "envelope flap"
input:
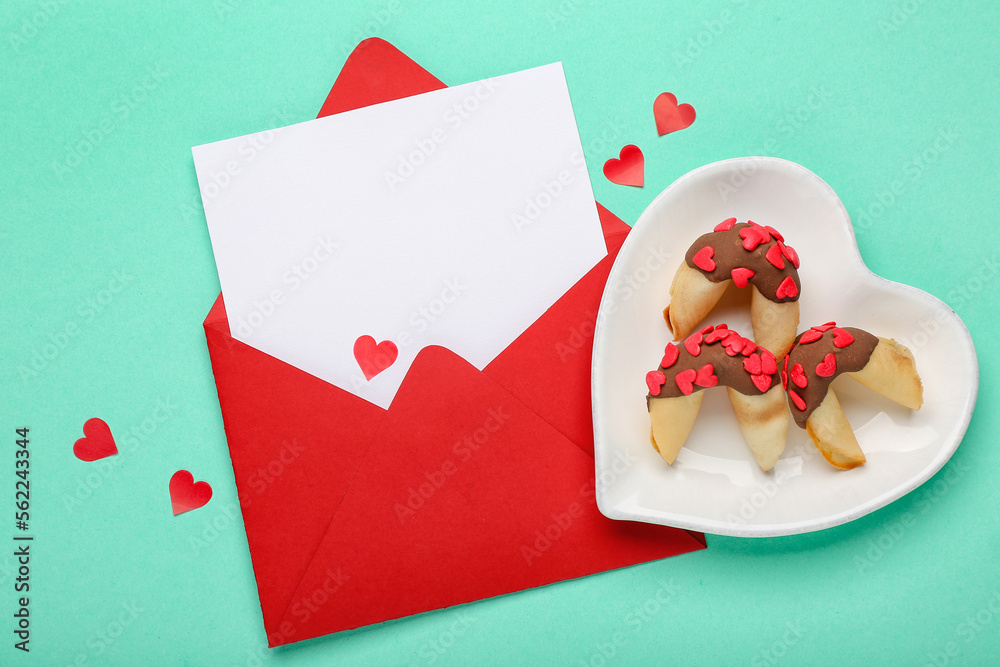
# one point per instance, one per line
(464, 494)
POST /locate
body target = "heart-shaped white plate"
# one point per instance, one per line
(714, 486)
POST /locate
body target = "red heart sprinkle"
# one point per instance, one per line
(797, 400)
(842, 338)
(828, 366)
(685, 380)
(97, 441)
(762, 382)
(374, 358)
(824, 327)
(784, 379)
(671, 116)
(627, 169)
(773, 255)
(798, 376)
(707, 330)
(790, 254)
(768, 364)
(670, 354)
(655, 380)
(809, 336)
(186, 494)
(748, 346)
(718, 334)
(733, 343)
(787, 288)
(706, 376)
(725, 225)
(752, 364)
(693, 344)
(741, 276)
(703, 259)
(774, 232)
(752, 236)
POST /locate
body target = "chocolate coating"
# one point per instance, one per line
(728, 368)
(851, 358)
(730, 254)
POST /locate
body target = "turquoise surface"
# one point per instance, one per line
(108, 273)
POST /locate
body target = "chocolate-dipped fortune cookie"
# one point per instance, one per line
(717, 356)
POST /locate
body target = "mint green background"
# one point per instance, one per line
(238, 66)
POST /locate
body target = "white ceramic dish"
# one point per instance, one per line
(714, 486)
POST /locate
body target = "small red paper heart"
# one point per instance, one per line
(741, 276)
(670, 116)
(842, 338)
(787, 288)
(693, 344)
(810, 336)
(374, 358)
(655, 380)
(670, 354)
(706, 376)
(798, 376)
(186, 494)
(685, 381)
(627, 169)
(797, 400)
(768, 364)
(762, 382)
(97, 442)
(725, 225)
(828, 366)
(773, 255)
(752, 364)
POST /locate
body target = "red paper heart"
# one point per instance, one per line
(97, 442)
(798, 376)
(773, 255)
(827, 367)
(725, 225)
(655, 380)
(685, 381)
(703, 259)
(374, 358)
(670, 116)
(762, 382)
(706, 376)
(627, 169)
(842, 338)
(741, 276)
(186, 494)
(787, 288)
(670, 354)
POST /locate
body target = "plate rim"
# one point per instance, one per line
(879, 501)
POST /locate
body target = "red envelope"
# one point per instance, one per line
(472, 484)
